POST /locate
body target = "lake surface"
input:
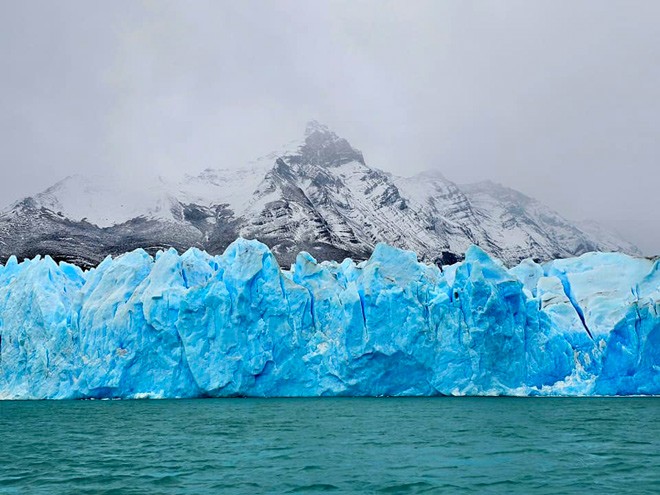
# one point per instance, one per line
(232, 446)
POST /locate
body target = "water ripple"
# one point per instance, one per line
(415, 446)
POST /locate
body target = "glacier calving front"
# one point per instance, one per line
(197, 325)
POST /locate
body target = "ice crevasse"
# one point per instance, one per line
(196, 325)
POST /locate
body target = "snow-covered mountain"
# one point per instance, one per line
(318, 195)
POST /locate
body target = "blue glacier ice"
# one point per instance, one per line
(195, 325)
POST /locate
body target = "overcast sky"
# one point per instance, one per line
(559, 99)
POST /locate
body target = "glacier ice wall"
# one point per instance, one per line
(196, 325)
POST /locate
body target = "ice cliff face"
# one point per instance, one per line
(197, 325)
(318, 195)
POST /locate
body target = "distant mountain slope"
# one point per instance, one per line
(522, 227)
(607, 240)
(318, 196)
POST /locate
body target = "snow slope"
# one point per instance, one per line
(104, 201)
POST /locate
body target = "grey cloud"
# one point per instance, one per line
(557, 99)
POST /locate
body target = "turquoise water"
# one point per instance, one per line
(231, 446)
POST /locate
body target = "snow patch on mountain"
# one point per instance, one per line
(105, 200)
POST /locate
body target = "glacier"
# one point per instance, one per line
(235, 325)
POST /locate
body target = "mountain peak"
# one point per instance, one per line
(314, 126)
(323, 147)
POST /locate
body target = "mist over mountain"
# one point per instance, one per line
(317, 195)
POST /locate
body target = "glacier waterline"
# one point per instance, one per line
(195, 325)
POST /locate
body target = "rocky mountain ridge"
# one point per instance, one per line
(319, 196)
